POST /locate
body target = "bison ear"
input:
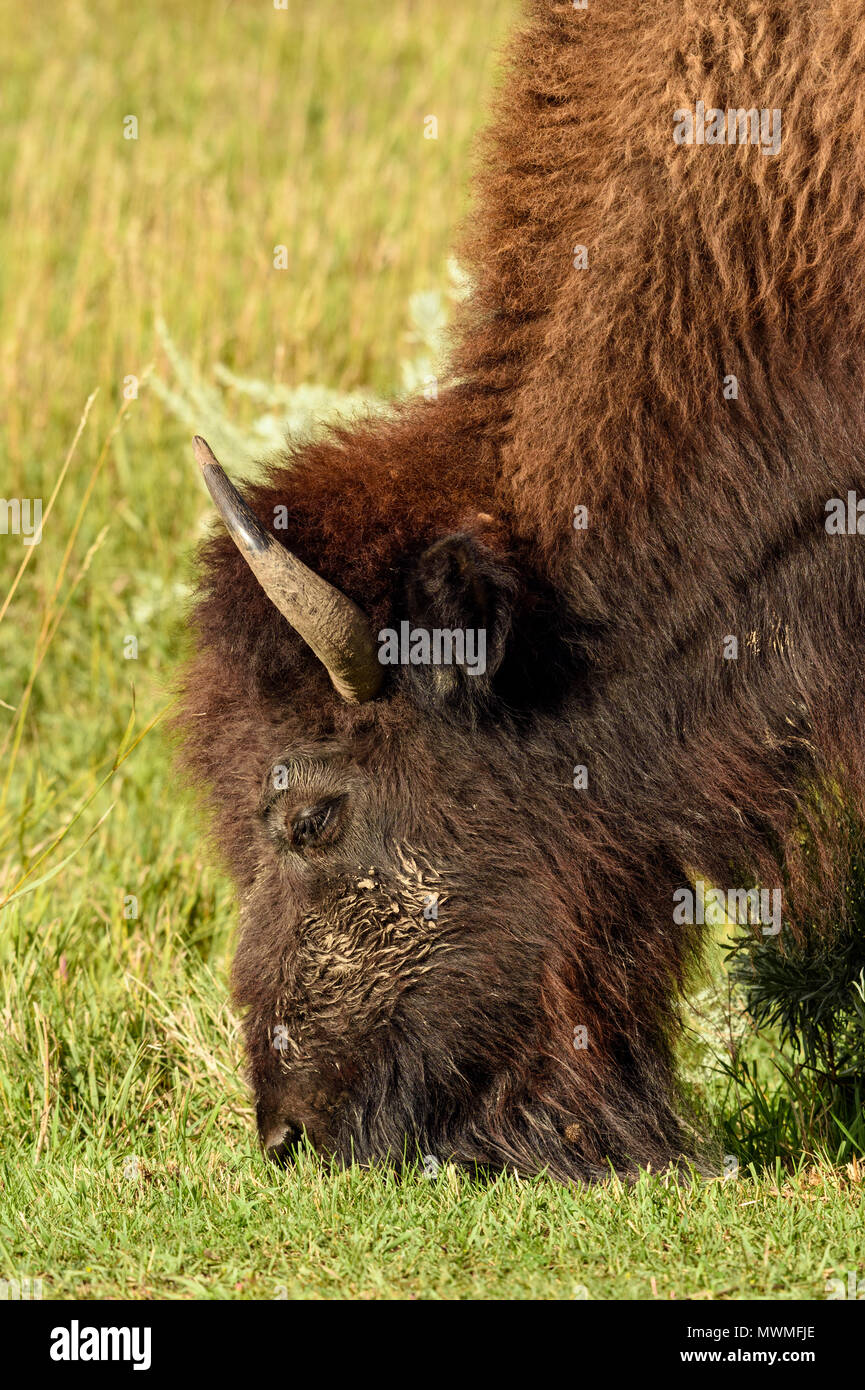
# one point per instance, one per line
(460, 598)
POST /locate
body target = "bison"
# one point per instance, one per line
(458, 882)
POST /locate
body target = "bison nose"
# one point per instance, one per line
(280, 1140)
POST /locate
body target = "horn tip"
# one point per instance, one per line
(203, 453)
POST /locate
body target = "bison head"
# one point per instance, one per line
(418, 962)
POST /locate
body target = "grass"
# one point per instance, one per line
(128, 1164)
(214, 1224)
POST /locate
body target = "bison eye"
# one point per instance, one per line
(304, 826)
(316, 825)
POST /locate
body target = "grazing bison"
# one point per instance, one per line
(461, 884)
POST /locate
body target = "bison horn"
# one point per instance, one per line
(329, 622)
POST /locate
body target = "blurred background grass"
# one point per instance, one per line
(257, 128)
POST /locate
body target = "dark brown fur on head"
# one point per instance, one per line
(415, 973)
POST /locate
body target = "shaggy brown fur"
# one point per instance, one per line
(367, 1023)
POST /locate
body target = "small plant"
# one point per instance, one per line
(806, 998)
(297, 413)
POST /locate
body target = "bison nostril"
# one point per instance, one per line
(281, 1144)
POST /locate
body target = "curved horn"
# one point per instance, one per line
(330, 623)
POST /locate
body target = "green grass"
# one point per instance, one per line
(204, 1220)
(256, 128)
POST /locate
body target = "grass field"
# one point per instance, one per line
(129, 1166)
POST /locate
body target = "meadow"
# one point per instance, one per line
(138, 286)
